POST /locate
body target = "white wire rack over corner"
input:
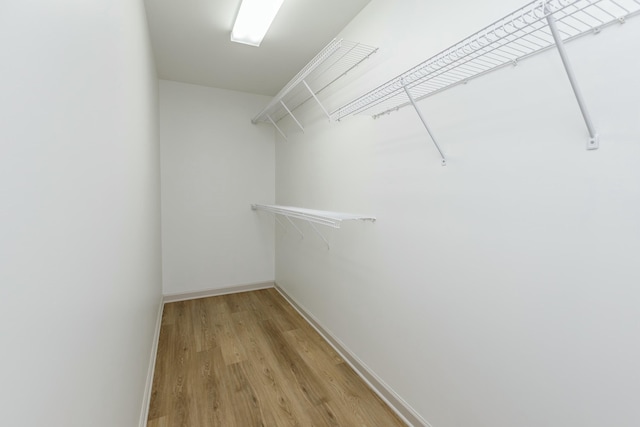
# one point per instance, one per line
(334, 61)
(536, 27)
(330, 219)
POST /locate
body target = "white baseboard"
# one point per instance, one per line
(184, 296)
(146, 400)
(395, 402)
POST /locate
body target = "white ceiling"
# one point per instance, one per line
(191, 41)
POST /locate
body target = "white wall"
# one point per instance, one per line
(500, 290)
(215, 164)
(80, 274)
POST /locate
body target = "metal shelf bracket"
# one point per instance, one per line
(594, 140)
(443, 160)
(317, 100)
(319, 234)
(280, 223)
(292, 116)
(295, 226)
(277, 127)
(330, 219)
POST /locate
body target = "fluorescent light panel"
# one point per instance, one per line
(253, 21)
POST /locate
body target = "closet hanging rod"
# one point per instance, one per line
(517, 36)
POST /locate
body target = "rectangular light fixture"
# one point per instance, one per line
(253, 21)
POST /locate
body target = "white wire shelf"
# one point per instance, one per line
(519, 35)
(334, 61)
(536, 27)
(330, 219)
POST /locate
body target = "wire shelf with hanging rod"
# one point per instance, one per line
(312, 216)
(534, 28)
(334, 61)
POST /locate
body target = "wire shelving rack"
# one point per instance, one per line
(534, 28)
(311, 216)
(332, 62)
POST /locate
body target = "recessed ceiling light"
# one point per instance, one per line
(253, 21)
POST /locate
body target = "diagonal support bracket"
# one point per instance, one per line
(443, 160)
(276, 126)
(279, 222)
(594, 140)
(292, 116)
(317, 100)
(313, 227)
(295, 226)
(319, 234)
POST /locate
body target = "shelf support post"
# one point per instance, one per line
(276, 126)
(424, 122)
(295, 226)
(279, 222)
(317, 100)
(319, 234)
(594, 140)
(291, 114)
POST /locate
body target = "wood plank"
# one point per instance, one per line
(270, 377)
(250, 359)
(159, 422)
(204, 335)
(303, 378)
(232, 349)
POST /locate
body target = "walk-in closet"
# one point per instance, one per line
(320, 213)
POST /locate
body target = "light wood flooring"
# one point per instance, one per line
(250, 359)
